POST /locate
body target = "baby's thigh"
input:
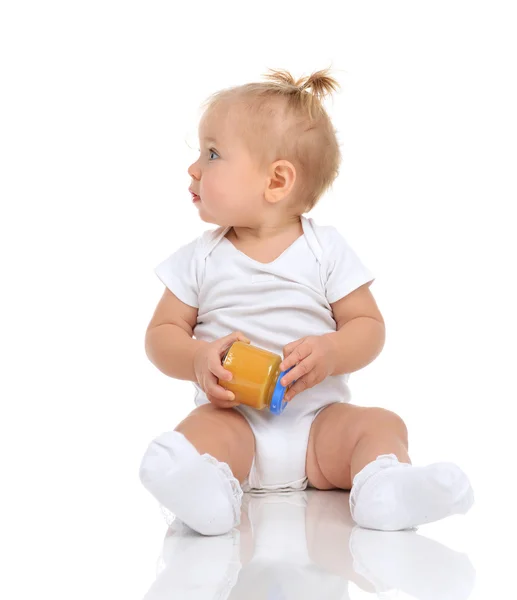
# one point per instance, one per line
(223, 433)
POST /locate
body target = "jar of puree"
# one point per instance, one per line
(256, 377)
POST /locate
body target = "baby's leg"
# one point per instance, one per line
(223, 433)
(194, 471)
(367, 447)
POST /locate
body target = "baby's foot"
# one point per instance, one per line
(199, 490)
(390, 495)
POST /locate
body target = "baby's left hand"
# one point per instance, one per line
(315, 357)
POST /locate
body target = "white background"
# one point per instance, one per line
(98, 124)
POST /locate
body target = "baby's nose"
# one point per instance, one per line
(193, 171)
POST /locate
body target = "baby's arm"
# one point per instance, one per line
(360, 332)
(168, 340)
(358, 339)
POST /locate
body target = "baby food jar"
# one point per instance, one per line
(256, 377)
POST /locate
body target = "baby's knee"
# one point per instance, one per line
(377, 418)
(223, 433)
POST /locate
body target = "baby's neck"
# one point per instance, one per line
(267, 234)
(267, 244)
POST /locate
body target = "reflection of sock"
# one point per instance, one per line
(199, 490)
(411, 563)
(390, 495)
(218, 557)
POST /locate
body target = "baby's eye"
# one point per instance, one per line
(212, 151)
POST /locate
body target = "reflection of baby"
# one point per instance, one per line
(273, 277)
(305, 545)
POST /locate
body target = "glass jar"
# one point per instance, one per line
(256, 377)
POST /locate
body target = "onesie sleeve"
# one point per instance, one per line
(180, 272)
(345, 271)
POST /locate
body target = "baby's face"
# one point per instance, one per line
(225, 176)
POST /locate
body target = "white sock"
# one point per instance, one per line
(201, 491)
(390, 495)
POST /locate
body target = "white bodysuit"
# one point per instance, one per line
(272, 304)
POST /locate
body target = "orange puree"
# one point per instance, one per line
(256, 374)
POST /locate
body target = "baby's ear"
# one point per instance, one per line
(281, 180)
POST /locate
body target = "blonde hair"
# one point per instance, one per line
(284, 120)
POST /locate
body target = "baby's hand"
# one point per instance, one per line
(314, 357)
(208, 369)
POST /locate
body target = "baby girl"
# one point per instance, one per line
(269, 276)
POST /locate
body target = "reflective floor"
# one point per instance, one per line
(305, 545)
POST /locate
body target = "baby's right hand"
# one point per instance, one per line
(208, 369)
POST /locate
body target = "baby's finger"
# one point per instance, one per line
(221, 403)
(300, 353)
(228, 340)
(288, 348)
(297, 372)
(296, 388)
(218, 391)
(219, 371)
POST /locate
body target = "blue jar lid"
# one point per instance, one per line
(278, 403)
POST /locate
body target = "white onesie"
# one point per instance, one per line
(272, 304)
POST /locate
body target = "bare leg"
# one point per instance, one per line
(345, 437)
(224, 434)
(386, 433)
(365, 450)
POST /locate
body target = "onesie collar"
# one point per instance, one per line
(213, 236)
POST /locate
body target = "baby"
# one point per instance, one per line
(270, 276)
